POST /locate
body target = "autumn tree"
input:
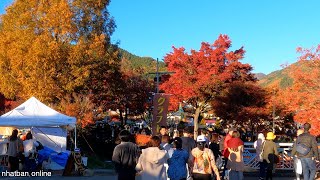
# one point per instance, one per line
(2, 104)
(52, 48)
(202, 75)
(243, 103)
(132, 92)
(78, 106)
(302, 98)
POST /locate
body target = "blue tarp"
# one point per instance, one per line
(60, 158)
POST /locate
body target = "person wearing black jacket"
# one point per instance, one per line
(125, 156)
(214, 146)
(188, 143)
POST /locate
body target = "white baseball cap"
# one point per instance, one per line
(201, 138)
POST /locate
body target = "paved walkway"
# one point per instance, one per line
(110, 175)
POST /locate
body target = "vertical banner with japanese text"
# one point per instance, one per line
(160, 111)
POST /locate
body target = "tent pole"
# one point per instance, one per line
(75, 138)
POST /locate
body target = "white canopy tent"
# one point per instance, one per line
(45, 123)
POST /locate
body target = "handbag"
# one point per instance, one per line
(298, 165)
(276, 159)
(219, 162)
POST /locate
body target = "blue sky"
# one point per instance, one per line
(269, 30)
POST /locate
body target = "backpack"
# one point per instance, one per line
(302, 149)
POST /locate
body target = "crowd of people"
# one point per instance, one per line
(304, 152)
(183, 157)
(178, 158)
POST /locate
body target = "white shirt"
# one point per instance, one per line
(29, 146)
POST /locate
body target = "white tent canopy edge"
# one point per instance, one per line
(34, 113)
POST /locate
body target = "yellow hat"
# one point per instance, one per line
(270, 136)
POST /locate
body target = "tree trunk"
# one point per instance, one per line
(126, 115)
(121, 117)
(195, 123)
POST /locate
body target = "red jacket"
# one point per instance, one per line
(225, 146)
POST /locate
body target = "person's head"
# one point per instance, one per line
(204, 132)
(15, 132)
(177, 143)
(261, 136)
(142, 131)
(235, 134)
(154, 141)
(187, 132)
(163, 130)
(214, 137)
(14, 135)
(165, 139)
(306, 127)
(124, 135)
(201, 141)
(270, 136)
(231, 131)
(28, 136)
(300, 131)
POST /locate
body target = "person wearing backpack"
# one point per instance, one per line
(306, 149)
(201, 161)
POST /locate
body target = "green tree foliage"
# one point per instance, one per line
(52, 48)
(142, 65)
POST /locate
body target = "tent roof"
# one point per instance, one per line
(35, 113)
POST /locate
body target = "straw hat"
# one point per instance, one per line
(270, 136)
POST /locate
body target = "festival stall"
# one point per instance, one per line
(48, 126)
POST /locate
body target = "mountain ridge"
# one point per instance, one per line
(278, 77)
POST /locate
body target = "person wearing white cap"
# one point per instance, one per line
(202, 162)
(258, 145)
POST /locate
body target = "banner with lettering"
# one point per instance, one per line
(160, 111)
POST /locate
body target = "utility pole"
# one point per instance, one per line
(155, 122)
(158, 76)
(273, 111)
(157, 85)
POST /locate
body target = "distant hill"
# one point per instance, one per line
(147, 64)
(259, 75)
(279, 78)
